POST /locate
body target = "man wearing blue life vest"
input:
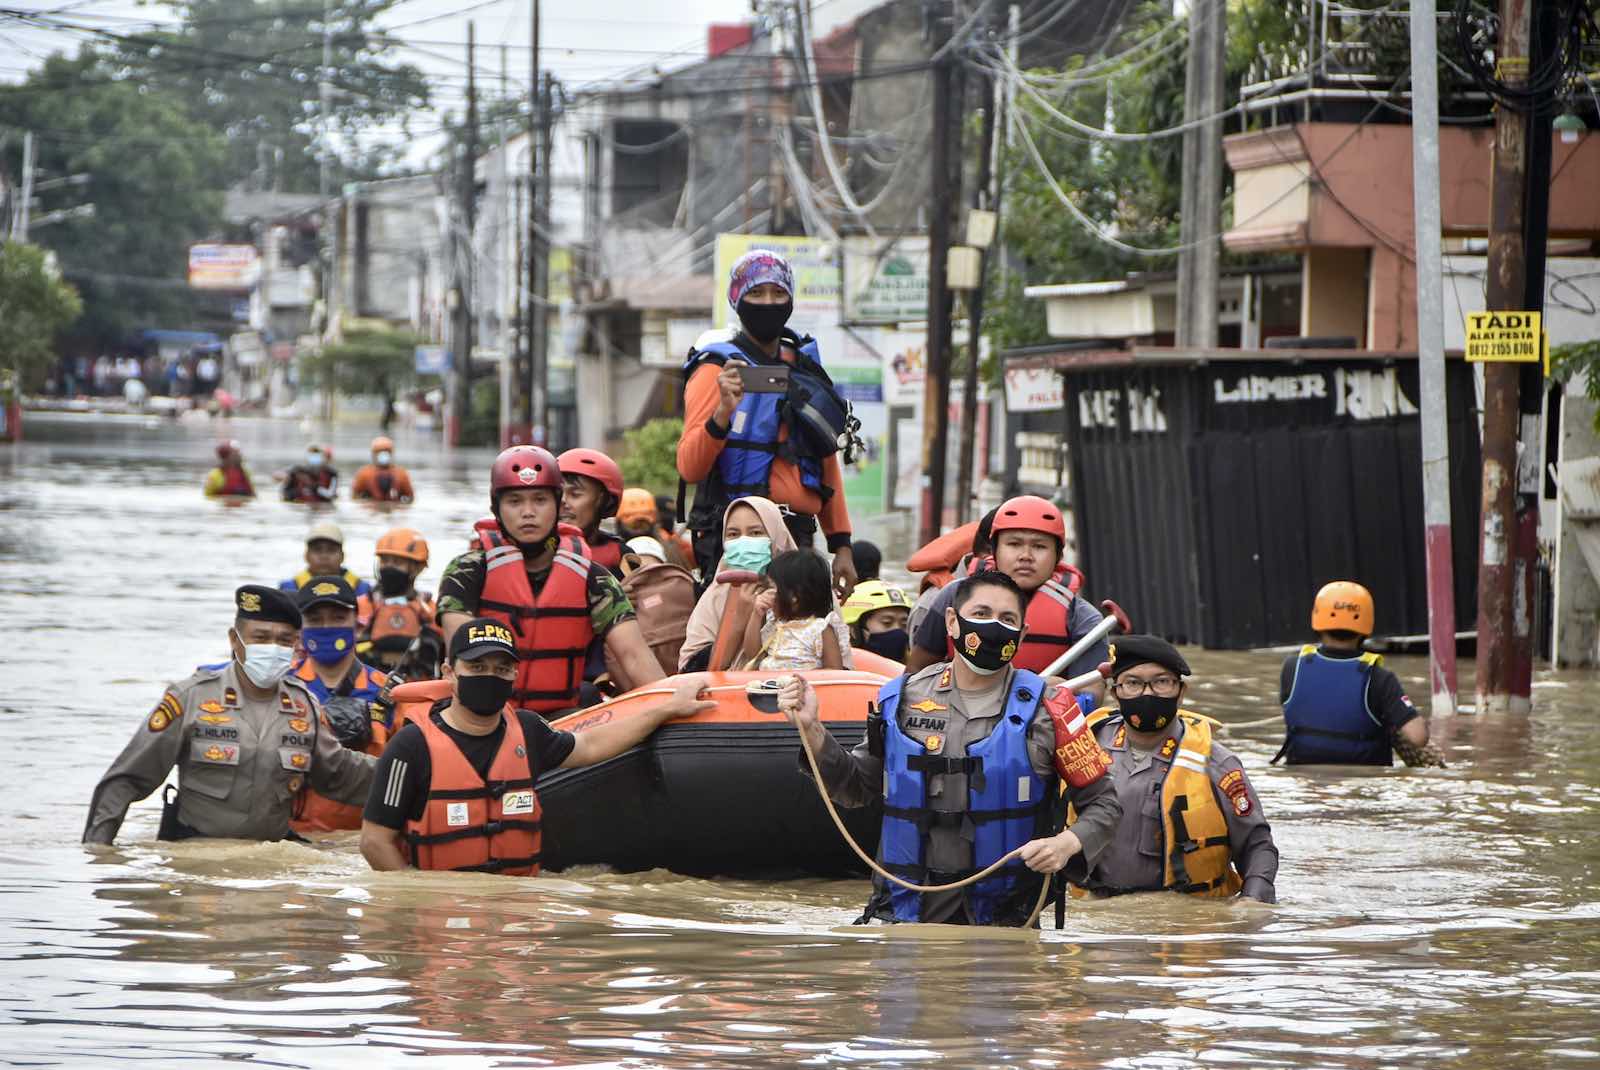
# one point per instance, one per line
(780, 441)
(1340, 705)
(964, 757)
(1190, 821)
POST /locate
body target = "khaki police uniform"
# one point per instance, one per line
(241, 761)
(931, 705)
(1135, 861)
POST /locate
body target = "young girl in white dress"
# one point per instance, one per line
(797, 625)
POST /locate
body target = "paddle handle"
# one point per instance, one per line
(1115, 619)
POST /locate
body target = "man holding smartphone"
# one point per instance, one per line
(740, 437)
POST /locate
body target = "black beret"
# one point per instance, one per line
(256, 602)
(1130, 650)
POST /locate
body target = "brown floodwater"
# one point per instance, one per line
(1426, 918)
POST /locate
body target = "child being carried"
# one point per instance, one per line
(797, 626)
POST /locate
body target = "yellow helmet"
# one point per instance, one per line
(869, 596)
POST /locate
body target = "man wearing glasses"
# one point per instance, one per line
(1190, 821)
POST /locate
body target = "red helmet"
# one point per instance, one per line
(1030, 513)
(227, 449)
(598, 467)
(521, 467)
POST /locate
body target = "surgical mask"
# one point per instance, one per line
(314, 459)
(328, 646)
(265, 663)
(890, 644)
(1148, 713)
(751, 553)
(484, 695)
(393, 582)
(383, 457)
(986, 645)
(764, 322)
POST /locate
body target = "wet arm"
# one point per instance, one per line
(140, 769)
(609, 740)
(1249, 836)
(383, 848)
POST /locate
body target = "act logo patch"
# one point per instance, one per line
(517, 802)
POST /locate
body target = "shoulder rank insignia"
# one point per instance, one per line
(284, 703)
(944, 679)
(1121, 738)
(1169, 747)
(230, 697)
(927, 705)
(169, 709)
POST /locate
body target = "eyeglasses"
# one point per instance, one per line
(1133, 687)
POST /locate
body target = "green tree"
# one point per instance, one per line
(370, 360)
(650, 457)
(152, 178)
(34, 305)
(252, 69)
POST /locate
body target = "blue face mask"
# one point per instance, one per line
(328, 645)
(749, 552)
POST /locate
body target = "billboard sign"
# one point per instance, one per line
(214, 266)
(885, 280)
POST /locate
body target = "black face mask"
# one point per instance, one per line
(986, 645)
(393, 582)
(764, 322)
(891, 644)
(484, 695)
(1148, 713)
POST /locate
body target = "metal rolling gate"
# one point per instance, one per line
(1213, 498)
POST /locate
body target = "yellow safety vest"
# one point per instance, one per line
(1194, 828)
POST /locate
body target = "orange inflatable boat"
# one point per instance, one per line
(720, 793)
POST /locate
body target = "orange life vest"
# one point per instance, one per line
(471, 824)
(553, 629)
(314, 812)
(405, 619)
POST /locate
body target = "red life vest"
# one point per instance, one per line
(235, 481)
(486, 535)
(471, 824)
(606, 550)
(553, 629)
(1048, 619)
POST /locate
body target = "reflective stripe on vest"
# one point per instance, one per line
(1005, 803)
(483, 836)
(1327, 715)
(744, 466)
(553, 630)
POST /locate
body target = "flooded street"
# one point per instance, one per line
(1426, 917)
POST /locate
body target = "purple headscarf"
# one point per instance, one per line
(754, 268)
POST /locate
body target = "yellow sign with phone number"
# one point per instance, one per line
(1505, 336)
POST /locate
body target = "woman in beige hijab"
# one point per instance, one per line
(752, 516)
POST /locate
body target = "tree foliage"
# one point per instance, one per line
(34, 304)
(252, 69)
(370, 360)
(650, 458)
(153, 178)
(1574, 358)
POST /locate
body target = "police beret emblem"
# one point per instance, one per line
(249, 602)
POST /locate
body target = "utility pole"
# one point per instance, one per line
(1200, 222)
(944, 193)
(466, 225)
(539, 300)
(985, 196)
(1506, 288)
(533, 313)
(325, 98)
(1430, 356)
(19, 232)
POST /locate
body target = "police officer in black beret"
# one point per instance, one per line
(245, 736)
(1190, 822)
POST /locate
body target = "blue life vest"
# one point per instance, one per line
(744, 466)
(1327, 716)
(1006, 804)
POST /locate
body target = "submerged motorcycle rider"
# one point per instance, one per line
(541, 586)
(737, 442)
(964, 756)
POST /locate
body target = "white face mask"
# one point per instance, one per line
(383, 457)
(314, 459)
(265, 663)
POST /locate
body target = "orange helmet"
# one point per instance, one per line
(383, 442)
(406, 543)
(1343, 606)
(637, 505)
(1030, 513)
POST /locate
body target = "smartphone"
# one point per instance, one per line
(764, 379)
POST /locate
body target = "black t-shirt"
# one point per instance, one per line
(401, 780)
(1386, 696)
